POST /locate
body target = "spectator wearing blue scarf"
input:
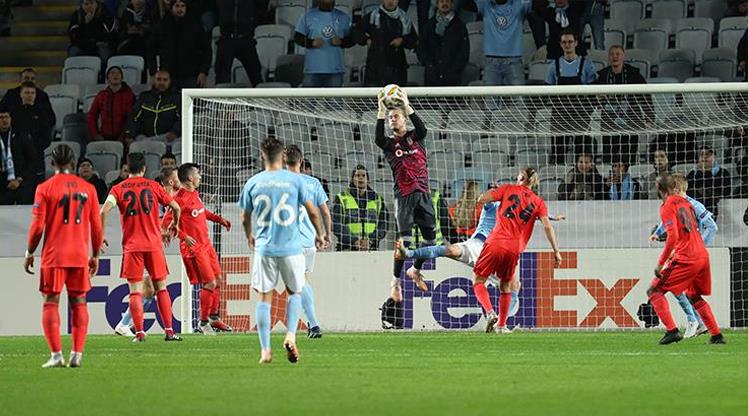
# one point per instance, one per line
(622, 187)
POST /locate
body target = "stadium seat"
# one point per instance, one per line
(640, 171)
(487, 161)
(474, 27)
(668, 9)
(272, 42)
(598, 57)
(138, 89)
(455, 141)
(531, 156)
(643, 59)
(288, 13)
(331, 134)
(62, 105)
(49, 170)
(652, 34)
(720, 63)
(676, 63)
(323, 161)
(273, 85)
(111, 176)
(446, 164)
(64, 90)
(290, 69)
(615, 33)
(81, 70)
(75, 128)
(292, 132)
(152, 152)
(712, 9)
(132, 67)
(694, 34)
(355, 56)
(539, 69)
(416, 75)
(492, 143)
(731, 30)
(470, 73)
(628, 11)
(476, 49)
(701, 79)
(549, 188)
(105, 155)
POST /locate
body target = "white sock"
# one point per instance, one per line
(57, 355)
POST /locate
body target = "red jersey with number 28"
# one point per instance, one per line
(138, 199)
(66, 210)
(682, 227)
(519, 209)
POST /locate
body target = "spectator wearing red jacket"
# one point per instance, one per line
(107, 117)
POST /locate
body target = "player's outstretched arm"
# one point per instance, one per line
(211, 216)
(550, 234)
(420, 128)
(379, 139)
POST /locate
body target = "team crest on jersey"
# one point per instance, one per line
(410, 141)
(328, 31)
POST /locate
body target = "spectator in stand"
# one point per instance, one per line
(107, 117)
(138, 22)
(570, 113)
(87, 171)
(594, 15)
(388, 31)
(621, 186)
(182, 47)
(124, 173)
(20, 161)
(423, 11)
(444, 47)
(630, 112)
(156, 114)
(6, 18)
(583, 182)
(661, 165)
(563, 17)
(709, 182)
(465, 213)
(359, 215)
(92, 31)
(324, 31)
(237, 19)
(307, 167)
(743, 54)
(168, 160)
(737, 8)
(12, 98)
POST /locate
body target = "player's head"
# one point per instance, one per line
(294, 158)
(666, 185)
(168, 160)
(396, 118)
(360, 178)
(169, 179)
(63, 157)
(681, 183)
(136, 162)
(272, 151)
(529, 177)
(568, 41)
(189, 175)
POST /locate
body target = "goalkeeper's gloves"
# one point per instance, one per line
(406, 102)
(382, 109)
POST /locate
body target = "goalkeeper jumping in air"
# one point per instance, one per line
(406, 154)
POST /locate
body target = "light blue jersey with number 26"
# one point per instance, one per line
(274, 197)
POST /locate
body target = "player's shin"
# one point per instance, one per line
(136, 310)
(429, 252)
(216, 304)
(51, 326)
(703, 308)
(293, 310)
(685, 304)
(263, 324)
(398, 265)
(307, 302)
(80, 325)
(206, 303)
(505, 299)
(163, 301)
(662, 308)
(481, 292)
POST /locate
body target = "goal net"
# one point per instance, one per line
(597, 148)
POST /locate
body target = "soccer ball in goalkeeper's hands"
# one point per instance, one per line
(392, 96)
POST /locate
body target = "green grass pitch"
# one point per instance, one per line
(457, 373)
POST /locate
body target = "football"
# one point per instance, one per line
(392, 97)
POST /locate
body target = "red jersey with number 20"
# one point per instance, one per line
(682, 227)
(138, 199)
(66, 210)
(519, 209)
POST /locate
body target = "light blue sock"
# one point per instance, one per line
(147, 302)
(126, 318)
(429, 252)
(685, 304)
(263, 324)
(307, 301)
(515, 299)
(293, 310)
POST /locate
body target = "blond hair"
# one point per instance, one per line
(681, 183)
(465, 208)
(530, 176)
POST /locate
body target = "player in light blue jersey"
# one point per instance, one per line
(275, 196)
(294, 160)
(708, 229)
(468, 251)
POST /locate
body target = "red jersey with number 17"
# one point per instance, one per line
(682, 227)
(66, 210)
(516, 216)
(138, 199)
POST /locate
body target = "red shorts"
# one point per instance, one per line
(52, 279)
(153, 261)
(694, 278)
(203, 267)
(498, 261)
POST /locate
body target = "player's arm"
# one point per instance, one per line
(550, 234)
(176, 213)
(246, 217)
(379, 138)
(707, 225)
(314, 216)
(420, 128)
(36, 231)
(671, 228)
(213, 217)
(97, 235)
(327, 219)
(109, 204)
(492, 195)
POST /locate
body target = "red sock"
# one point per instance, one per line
(206, 302)
(51, 325)
(80, 326)
(482, 294)
(662, 308)
(136, 310)
(705, 311)
(164, 309)
(504, 300)
(215, 307)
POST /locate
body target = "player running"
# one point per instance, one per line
(683, 266)
(275, 197)
(294, 160)
(708, 229)
(406, 155)
(170, 182)
(65, 211)
(198, 255)
(137, 199)
(519, 208)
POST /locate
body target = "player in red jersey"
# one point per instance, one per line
(138, 201)
(519, 208)
(65, 211)
(683, 265)
(198, 255)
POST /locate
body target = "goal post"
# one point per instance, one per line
(596, 148)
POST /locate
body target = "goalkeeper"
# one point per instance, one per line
(406, 155)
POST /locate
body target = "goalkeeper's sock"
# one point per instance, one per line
(430, 252)
(51, 325)
(504, 300)
(418, 264)
(206, 302)
(136, 310)
(662, 308)
(514, 301)
(481, 292)
(163, 302)
(307, 302)
(263, 324)
(293, 310)
(706, 314)
(216, 305)
(80, 326)
(685, 304)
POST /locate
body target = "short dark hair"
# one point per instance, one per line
(168, 156)
(185, 170)
(568, 31)
(136, 162)
(272, 148)
(28, 84)
(85, 160)
(306, 164)
(706, 148)
(617, 47)
(20, 74)
(293, 155)
(62, 155)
